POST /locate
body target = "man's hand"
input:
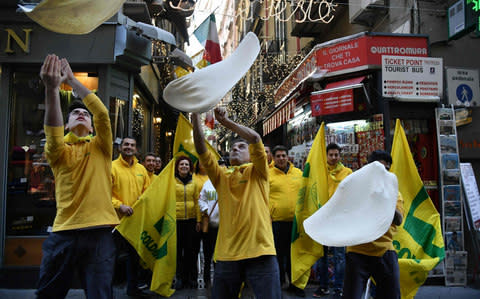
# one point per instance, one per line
(221, 114)
(126, 210)
(50, 73)
(67, 71)
(198, 227)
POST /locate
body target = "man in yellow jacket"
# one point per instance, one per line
(129, 180)
(245, 249)
(81, 235)
(285, 181)
(149, 163)
(336, 173)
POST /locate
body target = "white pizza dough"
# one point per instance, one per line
(201, 90)
(360, 211)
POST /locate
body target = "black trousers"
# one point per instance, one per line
(282, 235)
(187, 238)
(209, 239)
(90, 252)
(384, 271)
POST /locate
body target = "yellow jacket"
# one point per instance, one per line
(129, 182)
(284, 192)
(187, 200)
(82, 170)
(336, 174)
(245, 228)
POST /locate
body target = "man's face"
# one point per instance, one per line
(333, 157)
(269, 154)
(239, 153)
(128, 148)
(149, 163)
(158, 163)
(79, 117)
(386, 164)
(281, 159)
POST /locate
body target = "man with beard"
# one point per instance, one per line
(150, 164)
(130, 179)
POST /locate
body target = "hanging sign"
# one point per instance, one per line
(324, 103)
(463, 87)
(471, 192)
(415, 77)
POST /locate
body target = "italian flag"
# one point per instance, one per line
(207, 35)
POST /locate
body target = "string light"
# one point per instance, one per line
(303, 10)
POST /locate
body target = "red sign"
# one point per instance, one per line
(332, 102)
(359, 51)
(307, 67)
(279, 118)
(367, 50)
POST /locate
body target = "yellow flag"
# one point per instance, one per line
(151, 230)
(183, 144)
(312, 195)
(418, 241)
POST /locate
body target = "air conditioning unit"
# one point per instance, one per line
(366, 12)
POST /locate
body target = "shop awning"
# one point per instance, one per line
(280, 116)
(337, 97)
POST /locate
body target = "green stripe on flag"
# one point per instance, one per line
(422, 232)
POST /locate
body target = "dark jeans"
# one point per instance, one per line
(187, 237)
(91, 252)
(133, 261)
(282, 235)
(261, 272)
(209, 240)
(384, 271)
(339, 267)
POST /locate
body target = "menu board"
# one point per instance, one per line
(471, 192)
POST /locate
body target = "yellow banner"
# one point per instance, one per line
(151, 230)
(312, 195)
(418, 241)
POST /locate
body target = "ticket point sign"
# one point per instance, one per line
(412, 77)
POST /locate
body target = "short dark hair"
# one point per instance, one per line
(75, 104)
(279, 148)
(149, 154)
(379, 155)
(237, 140)
(128, 137)
(333, 146)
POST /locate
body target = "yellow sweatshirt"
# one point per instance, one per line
(187, 200)
(129, 182)
(245, 229)
(284, 192)
(336, 174)
(382, 244)
(82, 170)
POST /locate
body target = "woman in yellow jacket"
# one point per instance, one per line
(188, 223)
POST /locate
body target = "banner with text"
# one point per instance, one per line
(412, 77)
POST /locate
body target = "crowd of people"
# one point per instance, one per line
(242, 214)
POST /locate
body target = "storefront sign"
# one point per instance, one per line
(332, 102)
(13, 38)
(412, 77)
(367, 51)
(304, 70)
(279, 117)
(463, 87)
(348, 54)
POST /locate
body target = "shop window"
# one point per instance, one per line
(30, 182)
(119, 120)
(141, 123)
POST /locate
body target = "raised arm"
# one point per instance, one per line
(246, 133)
(70, 79)
(52, 77)
(198, 136)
